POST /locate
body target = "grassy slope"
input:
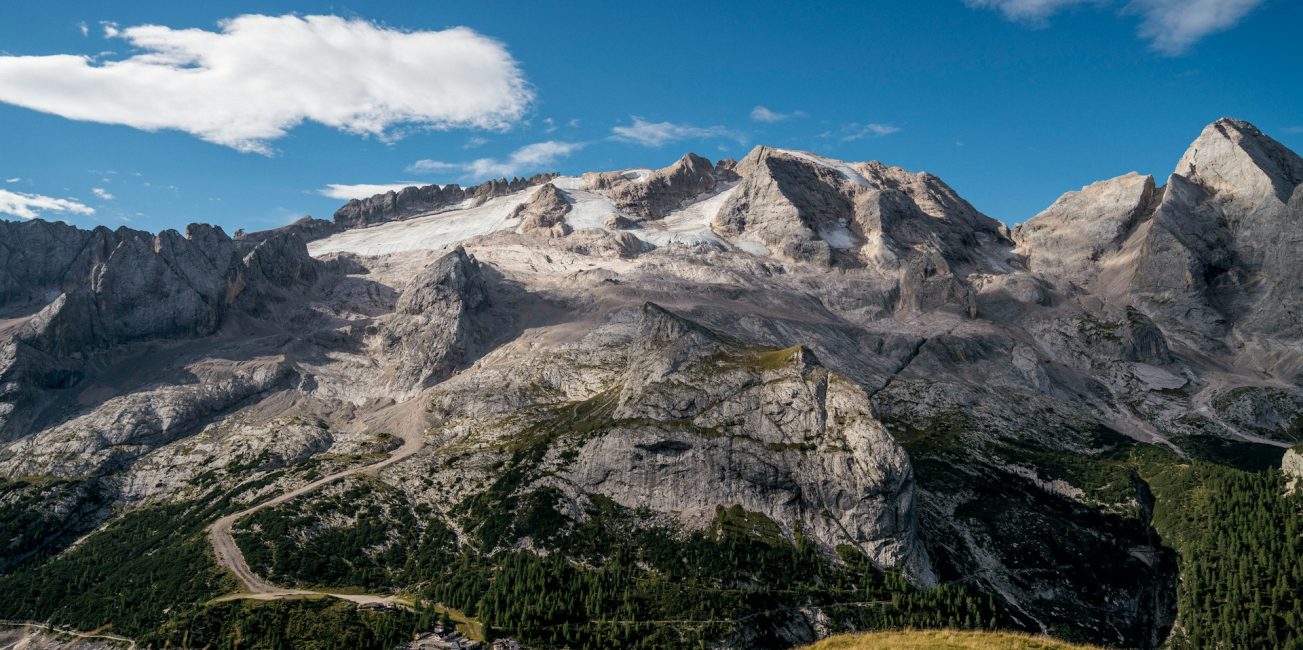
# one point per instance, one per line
(942, 640)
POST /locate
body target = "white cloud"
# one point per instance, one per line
(474, 141)
(102, 193)
(433, 167)
(1171, 26)
(1288, 129)
(762, 114)
(361, 190)
(1026, 11)
(83, 28)
(29, 206)
(13, 180)
(528, 158)
(657, 134)
(857, 131)
(260, 76)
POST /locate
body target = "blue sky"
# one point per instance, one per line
(250, 125)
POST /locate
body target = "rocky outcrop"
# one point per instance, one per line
(1273, 412)
(772, 431)
(808, 208)
(783, 202)
(441, 322)
(1066, 241)
(671, 417)
(656, 194)
(125, 286)
(280, 262)
(37, 259)
(546, 210)
(1292, 466)
(122, 429)
(307, 229)
(412, 201)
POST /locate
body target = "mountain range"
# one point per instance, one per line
(737, 404)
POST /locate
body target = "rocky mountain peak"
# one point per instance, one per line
(1067, 239)
(807, 207)
(1234, 158)
(545, 210)
(656, 194)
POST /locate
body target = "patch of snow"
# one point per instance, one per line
(430, 232)
(846, 170)
(838, 236)
(588, 209)
(570, 183)
(689, 224)
(752, 246)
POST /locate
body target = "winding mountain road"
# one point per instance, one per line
(251, 585)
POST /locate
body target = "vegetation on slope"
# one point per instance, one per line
(943, 640)
(131, 576)
(306, 624)
(38, 516)
(1238, 576)
(1241, 546)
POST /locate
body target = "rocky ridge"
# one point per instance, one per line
(410, 201)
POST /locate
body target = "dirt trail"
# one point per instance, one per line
(31, 630)
(409, 428)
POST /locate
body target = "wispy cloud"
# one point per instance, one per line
(762, 114)
(259, 76)
(532, 157)
(1172, 27)
(13, 180)
(102, 193)
(658, 134)
(857, 131)
(1033, 12)
(1288, 129)
(83, 28)
(475, 141)
(345, 192)
(30, 206)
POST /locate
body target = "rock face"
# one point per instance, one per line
(656, 194)
(440, 322)
(307, 229)
(107, 288)
(1207, 256)
(772, 431)
(411, 201)
(546, 210)
(910, 228)
(1292, 466)
(682, 421)
(1067, 240)
(848, 350)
